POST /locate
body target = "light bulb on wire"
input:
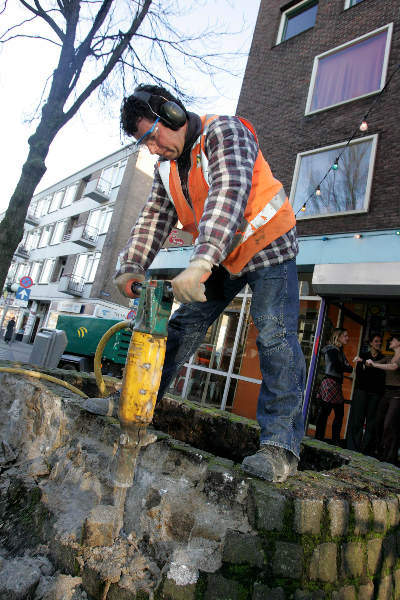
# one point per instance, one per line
(364, 126)
(303, 208)
(335, 165)
(318, 191)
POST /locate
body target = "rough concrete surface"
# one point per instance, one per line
(195, 526)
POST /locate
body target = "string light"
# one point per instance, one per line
(362, 127)
(358, 236)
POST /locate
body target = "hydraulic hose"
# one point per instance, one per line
(38, 375)
(99, 353)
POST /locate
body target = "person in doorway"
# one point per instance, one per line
(213, 178)
(9, 330)
(368, 391)
(388, 420)
(330, 393)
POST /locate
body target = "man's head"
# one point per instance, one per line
(157, 119)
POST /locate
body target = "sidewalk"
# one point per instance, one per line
(16, 351)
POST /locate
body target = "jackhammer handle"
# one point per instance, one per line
(168, 294)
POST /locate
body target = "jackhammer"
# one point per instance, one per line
(141, 381)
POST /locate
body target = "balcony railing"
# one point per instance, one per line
(22, 251)
(71, 284)
(31, 218)
(98, 189)
(85, 235)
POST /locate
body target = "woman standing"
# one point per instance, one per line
(368, 391)
(330, 392)
(389, 409)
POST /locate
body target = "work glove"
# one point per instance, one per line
(124, 283)
(189, 286)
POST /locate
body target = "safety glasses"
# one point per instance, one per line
(145, 137)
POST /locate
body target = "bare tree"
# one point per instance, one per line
(130, 40)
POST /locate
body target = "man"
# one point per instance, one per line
(213, 178)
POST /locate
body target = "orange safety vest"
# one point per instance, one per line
(268, 213)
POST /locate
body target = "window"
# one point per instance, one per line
(100, 219)
(42, 206)
(69, 196)
(111, 177)
(344, 190)
(297, 19)
(34, 271)
(351, 71)
(47, 270)
(56, 200)
(45, 236)
(32, 239)
(349, 3)
(86, 266)
(58, 233)
(22, 270)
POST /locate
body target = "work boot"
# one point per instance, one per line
(271, 463)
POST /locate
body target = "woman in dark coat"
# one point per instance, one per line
(9, 330)
(330, 393)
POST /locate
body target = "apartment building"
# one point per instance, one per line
(73, 234)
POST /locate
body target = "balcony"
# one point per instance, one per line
(71, 284)
(22, 252)
(31, 218)
(85, 235)
(98, 190)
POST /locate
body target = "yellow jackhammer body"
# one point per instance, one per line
(141, 381)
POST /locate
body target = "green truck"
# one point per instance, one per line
(84, 334)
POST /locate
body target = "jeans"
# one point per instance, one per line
(274, 309)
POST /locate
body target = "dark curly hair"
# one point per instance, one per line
(133, 109)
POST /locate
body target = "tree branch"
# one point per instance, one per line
(39, 12)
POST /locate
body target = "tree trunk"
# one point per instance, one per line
(12, 226)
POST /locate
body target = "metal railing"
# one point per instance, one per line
(90, 234)
(74, 283)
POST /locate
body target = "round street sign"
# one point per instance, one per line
(132, 313)
(26, 282)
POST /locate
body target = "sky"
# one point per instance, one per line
(94, 132)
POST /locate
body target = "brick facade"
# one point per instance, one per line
(274, 95)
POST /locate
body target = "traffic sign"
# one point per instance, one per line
(26, 281)
(131, 314)
(22, 294)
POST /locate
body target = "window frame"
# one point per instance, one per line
(284, 19)
(389, 28)
(349, 4)
(374, 142)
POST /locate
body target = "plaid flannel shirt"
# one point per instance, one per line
(231, 150)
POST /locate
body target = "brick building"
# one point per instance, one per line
(315, 69)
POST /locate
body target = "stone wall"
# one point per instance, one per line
(196, 527)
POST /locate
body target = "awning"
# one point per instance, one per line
(357, 279)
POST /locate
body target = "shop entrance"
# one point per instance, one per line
(361, 318)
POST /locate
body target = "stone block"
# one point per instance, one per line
(288, 560)
(385, 588)
(396, 581)
(361, 511)
(241, 548)
(366, 591)
(172, 591)
(219, 588)
(393, 511)
(307, 595)
(345, 593)
(352, 559)
(374, 554)
(389, 552)
(380, 514)
(338, 511)
(261, 592)
(19, 578)
(323, 564)
(65, 587)
(270, 506)
(101, 526)
(308, 515)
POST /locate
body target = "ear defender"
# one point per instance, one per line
(170, 113)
